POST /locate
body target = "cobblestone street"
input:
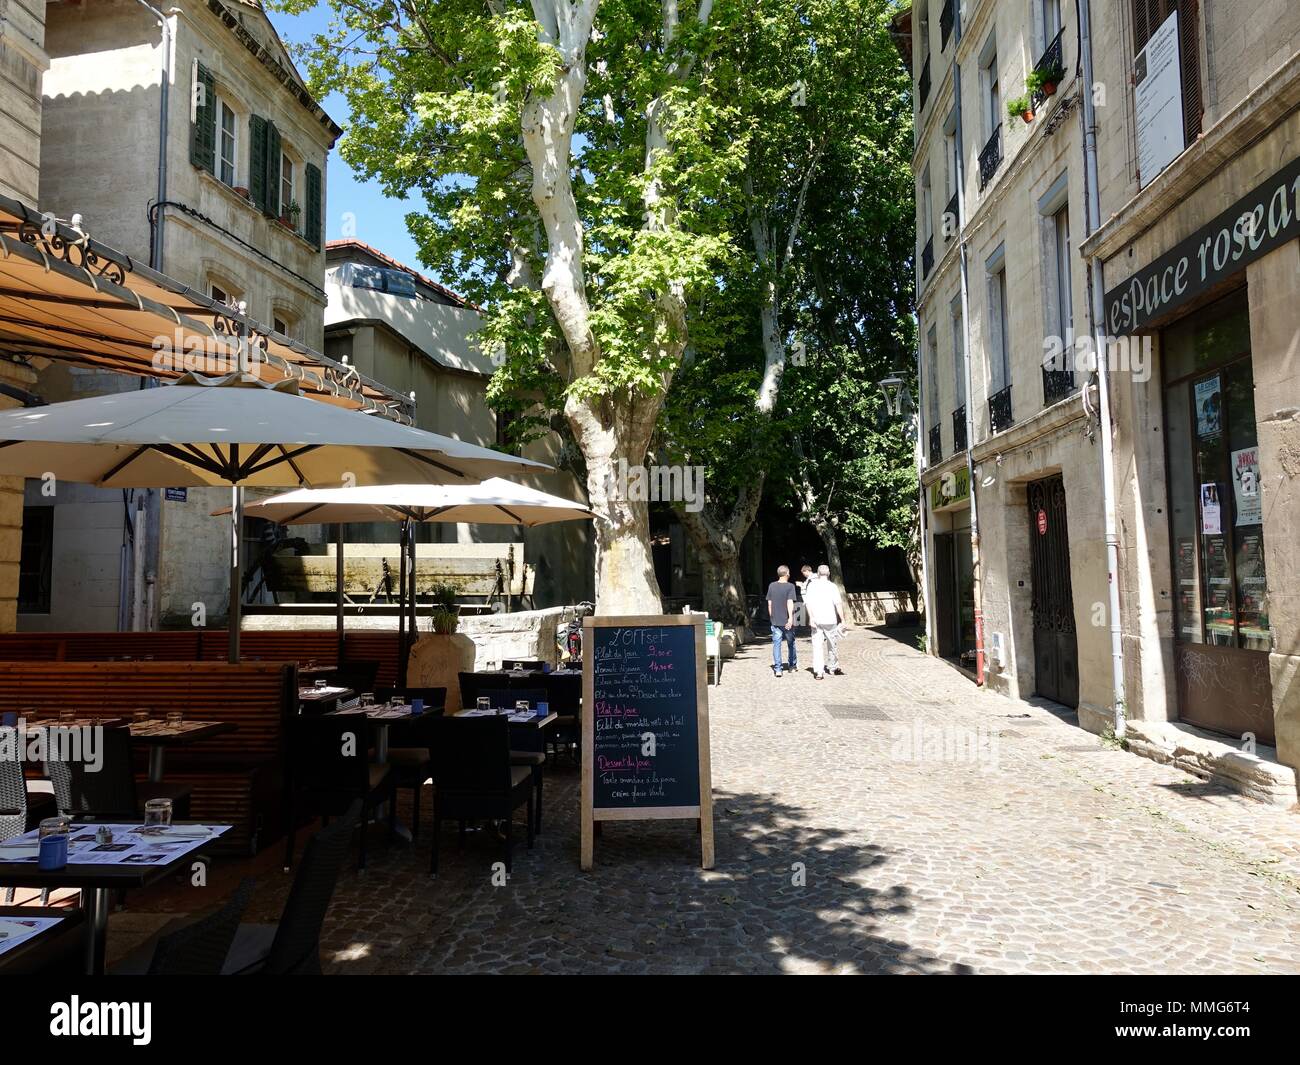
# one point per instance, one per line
(938, 829)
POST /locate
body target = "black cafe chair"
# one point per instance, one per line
(329, 766)
(292, 947)
(190, 947)
(357, 674)
(527, 748)
(564, 694)
(409, 742)
(473, 778)
(111, 791)
(13, 793)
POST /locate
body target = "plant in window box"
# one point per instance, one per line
(243, 190)
(1020, 107)
(1044, 82)
(289, 215)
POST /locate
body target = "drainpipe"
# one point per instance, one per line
(1096, 294)
(149, 526)
(977, 570)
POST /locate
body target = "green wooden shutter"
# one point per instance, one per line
(273, 150)
(203, 130)
(312, 228)
(257, 160)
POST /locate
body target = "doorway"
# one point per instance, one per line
(1056, 650)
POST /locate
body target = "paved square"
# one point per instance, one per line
(950, 838)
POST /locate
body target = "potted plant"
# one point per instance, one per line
(445, 614)
(1022, 108)
(289, 215)
(242, 190)
(1044, 82)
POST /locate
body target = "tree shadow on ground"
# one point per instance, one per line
(786, 895)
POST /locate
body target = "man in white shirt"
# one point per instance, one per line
(825, 609)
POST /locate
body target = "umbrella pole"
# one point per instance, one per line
(401, 607)
(413, 631)
(236, 574)
(338, 587)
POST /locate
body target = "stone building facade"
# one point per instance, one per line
(1191, 285)
(22, 62)
(241, 217)
(1200, 256)
(1000, 210)
(414, 335)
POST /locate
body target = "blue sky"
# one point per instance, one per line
(379, 221)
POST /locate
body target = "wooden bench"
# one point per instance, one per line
(236, 777)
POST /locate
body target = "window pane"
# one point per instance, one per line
(1183, 516)
(1242, 499)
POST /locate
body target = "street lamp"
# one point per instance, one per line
(895, 393)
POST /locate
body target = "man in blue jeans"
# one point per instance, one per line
(781, 609)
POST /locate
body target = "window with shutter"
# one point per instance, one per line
(1149, 16)
(203, 129)
(312, 211)
(274, 149)
(257, 161)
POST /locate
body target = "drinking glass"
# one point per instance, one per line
(484, 703)
(139, 717)
(396, 702)
(322, 683)
(175, 717)
(52, 852)
(523, 706)
(367, 698)
(157, 812)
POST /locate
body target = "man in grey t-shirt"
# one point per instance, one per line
(781, 610)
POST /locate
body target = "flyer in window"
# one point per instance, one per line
(1245, 486)
(1211, 520)
(1209, 407)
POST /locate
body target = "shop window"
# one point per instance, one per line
(1215, 499)
(35, 563)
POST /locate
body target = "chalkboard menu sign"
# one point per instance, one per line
(645, 724)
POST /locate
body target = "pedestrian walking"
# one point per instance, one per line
(822, 601)
(781, 613)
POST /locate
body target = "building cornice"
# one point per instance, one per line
(1262, 110)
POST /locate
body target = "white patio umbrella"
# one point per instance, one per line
(494, 502)
(231, 431)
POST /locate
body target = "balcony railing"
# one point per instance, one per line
(923, 87)
(1057, 385)
(927, 258)
(936, 445)
(945, 22)
(991, 157)
(1000, 416)
(950, 218)
(1051, 59)
(959, 429)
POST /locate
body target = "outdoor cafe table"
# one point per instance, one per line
(321, 698)
(525, 722)
(42, 944)
(159, 735)
(97, 870)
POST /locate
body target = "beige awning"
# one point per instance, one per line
(65, 296)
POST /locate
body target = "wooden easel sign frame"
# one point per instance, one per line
(642, 679)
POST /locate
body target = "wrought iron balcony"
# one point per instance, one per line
(945, 22)
(1000, 416)
(959, 429)
(1057, 385)
(950, 218)
(936, 445)
(1051, 59)
(927, 258)
(923, 87)
(991, 157)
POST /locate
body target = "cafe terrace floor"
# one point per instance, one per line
(892, 820)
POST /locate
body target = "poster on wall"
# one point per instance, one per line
(1158, 101)
(1209, 407)
(1245, 486)
(1211, 522)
